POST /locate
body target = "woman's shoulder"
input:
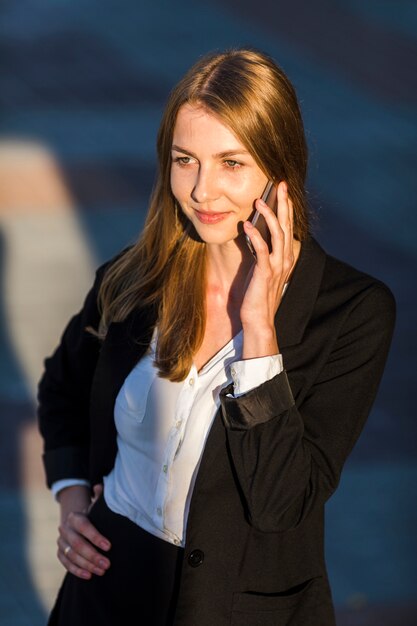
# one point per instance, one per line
(341, 281)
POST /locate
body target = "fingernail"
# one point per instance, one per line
(98, 571)
(249, 225)
(103, 564)
(105, 545)
(86, 574)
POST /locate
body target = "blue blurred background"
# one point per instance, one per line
(82, 88)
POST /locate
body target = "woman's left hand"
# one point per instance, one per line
(268, 276)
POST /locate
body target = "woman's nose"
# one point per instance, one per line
(206, 187)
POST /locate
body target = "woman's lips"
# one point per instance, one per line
(210, 218)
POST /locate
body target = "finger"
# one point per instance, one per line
(273, 224)
(285, 218)
(290, 211)
(259, 244)
(97, 491)
(291, 237)
(80, 523)
(78, 552)
(81, 547)
(80, 534)
(72, 568)
(77, 564)
(283, 209)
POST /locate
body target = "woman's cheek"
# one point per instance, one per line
(245, 189)
(174, 183)
(182, 184)
(245, 202)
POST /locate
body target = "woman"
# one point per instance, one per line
(169, 386)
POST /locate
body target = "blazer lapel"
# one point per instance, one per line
(300, 297)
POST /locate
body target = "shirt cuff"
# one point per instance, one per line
(251, 373)
(58, 485)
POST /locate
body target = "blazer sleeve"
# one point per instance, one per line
(64, 393)
(288, 459)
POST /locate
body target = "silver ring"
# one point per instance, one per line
(67, 549)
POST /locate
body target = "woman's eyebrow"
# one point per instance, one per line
(179, 149)
(219, 155)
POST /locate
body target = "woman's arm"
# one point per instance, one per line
(64, 394)
(63, 413)
(288, 458)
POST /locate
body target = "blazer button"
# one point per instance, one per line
(196, 558)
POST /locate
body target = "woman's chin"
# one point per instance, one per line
(219, 239)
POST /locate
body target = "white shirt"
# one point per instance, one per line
(162, 427)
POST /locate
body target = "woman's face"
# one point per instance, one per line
(213, 177)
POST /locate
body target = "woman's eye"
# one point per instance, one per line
(232, 164)
(185, 160)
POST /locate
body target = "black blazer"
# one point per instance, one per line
(254, 551)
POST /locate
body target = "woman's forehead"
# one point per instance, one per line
(197, 125)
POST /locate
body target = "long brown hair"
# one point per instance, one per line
(166, 268)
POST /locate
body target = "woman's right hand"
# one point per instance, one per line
(77, 535)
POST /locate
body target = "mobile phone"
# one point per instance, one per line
(257, 219)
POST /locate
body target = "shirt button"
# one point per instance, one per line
(159, 510)
(196, 558)
(178, 423)
(165, 469)
(177, 542)
(191, 382)
(233, 371)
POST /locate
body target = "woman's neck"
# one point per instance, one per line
(228, 266)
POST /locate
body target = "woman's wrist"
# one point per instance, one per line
(259, 342)
(76, 498)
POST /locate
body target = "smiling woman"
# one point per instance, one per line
(200, 407)
(214, 179)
